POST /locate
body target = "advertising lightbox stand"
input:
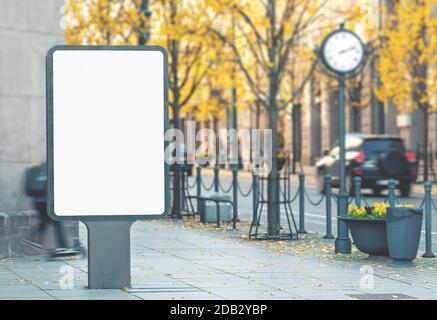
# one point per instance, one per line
(106, 120)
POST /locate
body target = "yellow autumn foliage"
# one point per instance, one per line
(104, 22)
(408, 58)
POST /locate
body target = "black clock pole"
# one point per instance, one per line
(341, 72)
(342, 242)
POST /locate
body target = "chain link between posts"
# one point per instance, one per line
(296, 194)
(222, 188)
(207, 188)
(244, 195)
(194, 182)
(314, 203)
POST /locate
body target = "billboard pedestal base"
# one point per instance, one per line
(109, 254)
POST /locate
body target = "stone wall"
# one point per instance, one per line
(28, 28)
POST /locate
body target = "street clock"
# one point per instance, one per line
(342, 51)
(343, 56)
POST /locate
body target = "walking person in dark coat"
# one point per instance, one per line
(36, 187)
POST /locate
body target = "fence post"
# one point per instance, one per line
(235, 195)
(255, 196)
(198, 181)
(328, 194)
(183, 186)
(357, 191)
(392, 192)
(428, 214)
(301, 203)
(199, 190)
(216, 178)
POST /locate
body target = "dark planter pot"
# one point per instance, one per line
(369, 235)
(404, 226)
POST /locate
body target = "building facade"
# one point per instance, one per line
(28, 28)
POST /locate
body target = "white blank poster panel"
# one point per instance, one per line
(108, 132)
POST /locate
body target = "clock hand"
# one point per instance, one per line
(346, 50)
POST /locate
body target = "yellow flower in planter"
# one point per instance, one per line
(379, 210)
(359, 212)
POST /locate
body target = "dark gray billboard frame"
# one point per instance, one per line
(108, 236)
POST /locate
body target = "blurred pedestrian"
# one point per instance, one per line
(36, 187)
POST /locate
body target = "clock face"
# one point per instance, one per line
(343, 51)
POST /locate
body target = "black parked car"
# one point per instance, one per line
(374, 158)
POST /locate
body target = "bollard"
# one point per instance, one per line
(235, 195)
(328, 194)
(357, 191)
(428, 213)
(183, 187)
(301, 203)
(255, 196)
(216, 178)
(288, 186)
(199, 188)
(198, 181)
(392, 192)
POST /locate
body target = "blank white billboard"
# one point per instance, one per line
(106, 122)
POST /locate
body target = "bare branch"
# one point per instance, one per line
(300, 89)
(252, 26)
(252, 84)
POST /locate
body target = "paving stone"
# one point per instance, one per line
(169, 262)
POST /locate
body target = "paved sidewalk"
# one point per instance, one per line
(179, 260)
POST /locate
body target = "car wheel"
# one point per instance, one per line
(405, 190)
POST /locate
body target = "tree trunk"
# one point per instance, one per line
(296, 135)
(176, 209)
(273, 218)
(425, 140)
(273, 180)
(217, 143)
(144, 29)
(420, 91)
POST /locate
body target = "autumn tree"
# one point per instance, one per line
(270, 31)
(106, 22)
(408, 60)
(180, 27)
(223, 91)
